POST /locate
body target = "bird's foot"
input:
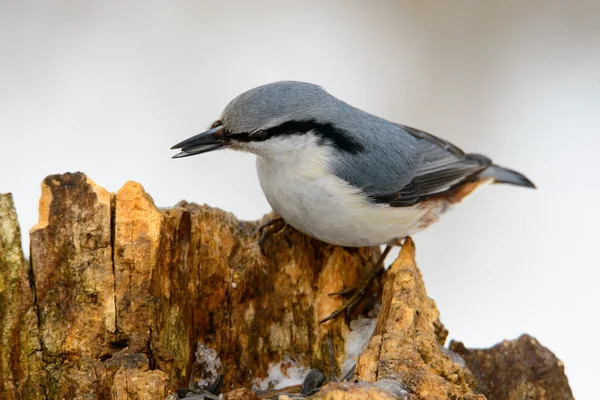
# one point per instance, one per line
(344, 292)
(349, 375)
(269, 228)
(357, 293)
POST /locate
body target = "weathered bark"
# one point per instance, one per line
(20, 351)
(125, 300)
(379, 390)
(407, 344)
(518, 369)
(128, 293)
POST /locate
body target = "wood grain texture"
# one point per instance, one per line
(126, 293)
(123, 300)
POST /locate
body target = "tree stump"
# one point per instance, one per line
(123, 300)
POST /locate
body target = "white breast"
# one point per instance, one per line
(300, 188)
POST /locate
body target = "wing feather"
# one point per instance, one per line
(441, 169)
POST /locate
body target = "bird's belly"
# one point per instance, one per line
(327, 208)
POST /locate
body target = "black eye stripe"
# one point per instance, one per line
(325, 131)
(259, 135)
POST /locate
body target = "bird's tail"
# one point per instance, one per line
(504, 175)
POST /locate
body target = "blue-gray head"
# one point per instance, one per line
(271, 111)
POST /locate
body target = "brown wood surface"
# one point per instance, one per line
(123, 300)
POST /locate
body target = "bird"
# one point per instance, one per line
(342, 175)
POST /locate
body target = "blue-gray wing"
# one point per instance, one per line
(403, 166)
(436, 167)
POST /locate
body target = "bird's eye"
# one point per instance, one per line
(259, 135)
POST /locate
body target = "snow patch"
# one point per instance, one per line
(281, 374)
(206, 368)
(357, 340)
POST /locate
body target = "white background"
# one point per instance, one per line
(107, 87)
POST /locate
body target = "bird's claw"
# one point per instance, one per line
(357, 293)
(270, 227)
(343, 292)
(350, 374)
(347, 306)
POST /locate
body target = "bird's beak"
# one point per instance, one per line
(204, 142)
